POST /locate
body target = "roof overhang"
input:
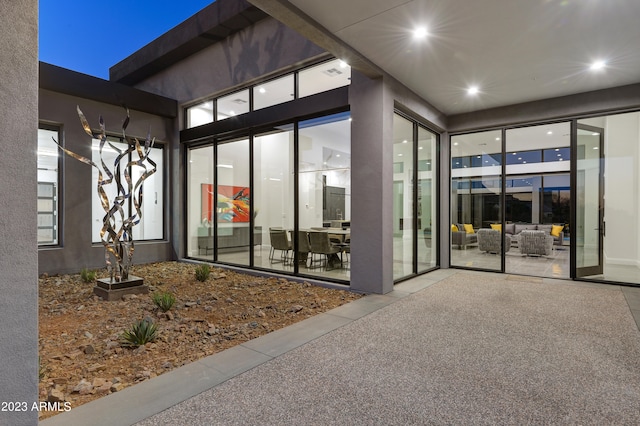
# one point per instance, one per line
(207, 27)
(73, 83)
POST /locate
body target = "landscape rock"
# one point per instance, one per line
(101, 385)
(83, 388)
(56, 394)
(116, 387)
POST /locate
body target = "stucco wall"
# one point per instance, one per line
(18, 251)
(76, 250)
(259, 50)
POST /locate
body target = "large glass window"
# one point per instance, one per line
(231, 105)
(151, 226)
(233, 203)
(48, 179)
(312, 80)
(476, 201)
(200, 206)
(200, 114)
(324, 182)
(273, 197)
(325, 76)
(274, 92)
(537, 200)
(403, 230)
(254, 220)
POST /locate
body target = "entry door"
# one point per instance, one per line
(589, 226)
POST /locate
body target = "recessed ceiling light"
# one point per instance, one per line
(524, 162)
(595, 134)
(262, 90)
(559, 155)
(455, 144)
(419, 147)
(404, 141)
(479, 156)
(519, 158)
(557, 149)
(598, 65)
(399, 155)
(473, 90)
(515, 153)
(595, 147)
(549, 132)
(338, 155)
(497, 139)
(420, 32)
(343, 64)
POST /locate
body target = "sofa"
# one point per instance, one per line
(514, 230)
(461, 238)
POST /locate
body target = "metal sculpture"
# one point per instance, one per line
(116, 233)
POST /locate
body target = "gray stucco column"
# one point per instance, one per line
(371, 185)
(18, 250)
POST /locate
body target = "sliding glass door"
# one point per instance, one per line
(476, 200)
(414, 198)
(510, 200)
(589, 225)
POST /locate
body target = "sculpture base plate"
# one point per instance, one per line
(114, 290)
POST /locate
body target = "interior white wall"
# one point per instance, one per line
(622, 201)
(310, 181)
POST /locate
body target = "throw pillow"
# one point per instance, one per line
(454, 228)
(556, 229)
(468, 228)
(496, 226)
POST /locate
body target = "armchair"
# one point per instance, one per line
(489, 240)
(535, 243)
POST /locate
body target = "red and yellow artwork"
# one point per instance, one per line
(232, 204)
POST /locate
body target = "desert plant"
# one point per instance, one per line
(140, 333)
(202, 272)
(163, 300)
(87, 275)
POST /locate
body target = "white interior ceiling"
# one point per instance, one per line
(513, 50)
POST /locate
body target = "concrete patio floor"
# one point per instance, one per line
(448, 347)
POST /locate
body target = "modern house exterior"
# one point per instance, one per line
(260, 130)
(270, 119)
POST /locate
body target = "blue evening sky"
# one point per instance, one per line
(90, 36)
